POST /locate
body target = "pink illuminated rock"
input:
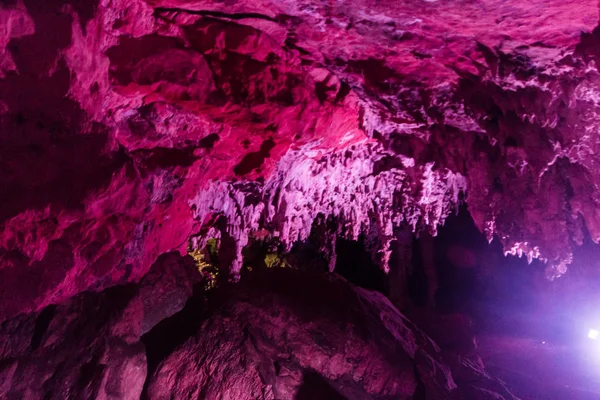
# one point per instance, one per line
(126, 125)
(132, 129)
(262, 338)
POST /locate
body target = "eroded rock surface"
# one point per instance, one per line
(89, 347)
(263, 338)
(286, 334)
(126, 125)
(134, 130)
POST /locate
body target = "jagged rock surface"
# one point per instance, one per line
(118, 117)
(267, 339)
(130, 128)
(89, 347)
(260, 339)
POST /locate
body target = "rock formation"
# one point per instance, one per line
(131, 129)
(261, 339)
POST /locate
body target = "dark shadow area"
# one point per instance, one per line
(589, 44)
(163, 338)
(84, 8)
(315, 387)
(24, 282)
(208, 142)
(254, 160)
(41, 326)
(458, 265)
(476, 279)
(417, 284)
(355, 264)
(125, 58)
(420, 391)
(313, 254)
(50, 154)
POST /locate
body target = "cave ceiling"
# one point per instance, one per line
(128, 127)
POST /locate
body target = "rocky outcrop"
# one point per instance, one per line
(263, 338)
(89, 347)
(285, 334)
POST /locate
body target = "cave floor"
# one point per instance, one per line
(535, 370)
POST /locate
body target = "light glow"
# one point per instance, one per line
(593, 334)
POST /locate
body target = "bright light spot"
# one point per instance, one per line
(543, 342)
(593, 334)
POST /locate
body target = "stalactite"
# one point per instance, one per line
(344, 185)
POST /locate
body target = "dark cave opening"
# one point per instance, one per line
(459, 272)
(417, 284)
(477, 279)
(354, 262)
(315, 387)
(444, 272)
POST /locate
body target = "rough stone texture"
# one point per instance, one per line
(459, 350)
(89, 347)
(263, 338)
(126, 124)
(73, 355)
(268, 339)
(132, 128)
(166, 287)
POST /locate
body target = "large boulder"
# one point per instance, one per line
(89, 347)
(285, 334)
(279, 334)
(86, 348)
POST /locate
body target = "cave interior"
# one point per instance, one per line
(300, 199)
